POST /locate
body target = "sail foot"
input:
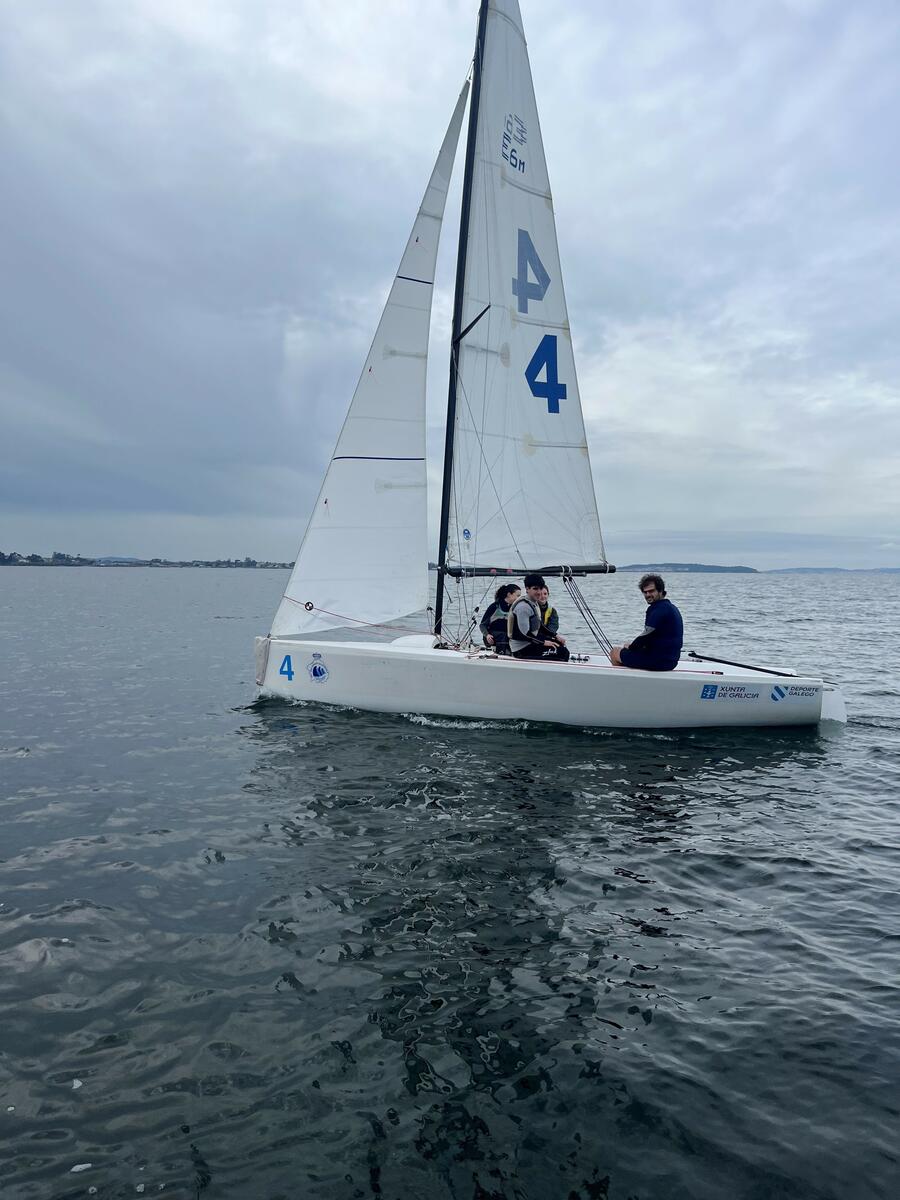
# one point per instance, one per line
(562, 570)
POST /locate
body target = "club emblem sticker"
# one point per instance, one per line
(318, 672)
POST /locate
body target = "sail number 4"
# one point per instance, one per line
(286, 668)
(544, 359)
(545, 356)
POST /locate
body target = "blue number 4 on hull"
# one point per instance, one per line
(286, 668)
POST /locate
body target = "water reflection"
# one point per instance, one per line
(480, 939)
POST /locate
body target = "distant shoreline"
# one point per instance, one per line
(673, 568)
(72, 560)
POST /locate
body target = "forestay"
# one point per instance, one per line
(522, 493)
(364, 554)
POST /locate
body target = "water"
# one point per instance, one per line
(256, 950)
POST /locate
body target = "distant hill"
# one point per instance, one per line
(678, 568)
(834, 571)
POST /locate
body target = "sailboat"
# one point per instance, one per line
(517, 492)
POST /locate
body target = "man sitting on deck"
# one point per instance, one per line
(658, 648)
(528, 637)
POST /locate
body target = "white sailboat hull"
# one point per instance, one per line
(411, 676)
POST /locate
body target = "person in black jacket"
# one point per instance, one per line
(493, 624)
(658, 648)
(528, 637)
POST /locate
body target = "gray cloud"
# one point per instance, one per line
(202, 206)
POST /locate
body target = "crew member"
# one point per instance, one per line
(494, 623)
(658, 648)
(549, 616)
(528, 637)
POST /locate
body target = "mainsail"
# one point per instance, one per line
(521, 494)
(364, 555)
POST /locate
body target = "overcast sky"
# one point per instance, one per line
(202, 204)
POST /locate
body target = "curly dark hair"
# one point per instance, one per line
(657, 581)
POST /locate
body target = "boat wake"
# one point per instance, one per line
(463, 723)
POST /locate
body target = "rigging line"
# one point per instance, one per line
(454, 351)
(576, 593)
(599, 631)
(477, 607)
(479, 222)
(590, 620)
(473, 620)
(456, 490)
(464, 633)
(481, 465)
(478, 229)
(355, 620)
(488, 367)
(467, 634)
(453, 600)
(500, 505)
(599, 639)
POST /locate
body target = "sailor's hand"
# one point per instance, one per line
(489, 638)
(560, 640)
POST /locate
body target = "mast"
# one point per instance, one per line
(456, 334)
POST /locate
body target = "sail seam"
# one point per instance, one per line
(541, 322)
(376, 458)
(529, 441)
(504, 17)
(511, 181)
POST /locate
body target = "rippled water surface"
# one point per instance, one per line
(256, 950)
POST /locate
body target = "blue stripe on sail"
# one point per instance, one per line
(409, 279)
(375, 458)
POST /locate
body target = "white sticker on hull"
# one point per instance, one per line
(786, 693)
(318, 672)
(728, 691)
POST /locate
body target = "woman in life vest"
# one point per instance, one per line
(493, 624)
